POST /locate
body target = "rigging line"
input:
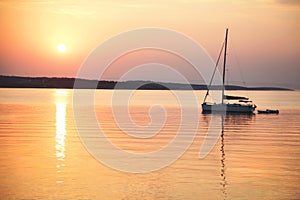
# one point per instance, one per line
(237, 62)
(210, 82)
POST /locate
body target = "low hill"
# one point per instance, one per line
(68, 83)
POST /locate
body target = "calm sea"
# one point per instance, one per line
(42, 157)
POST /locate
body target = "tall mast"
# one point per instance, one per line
(224, 65)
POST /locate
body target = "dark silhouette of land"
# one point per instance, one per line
(68, 83)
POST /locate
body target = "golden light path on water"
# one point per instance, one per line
(60, 129)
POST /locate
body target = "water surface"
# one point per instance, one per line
(41, 156)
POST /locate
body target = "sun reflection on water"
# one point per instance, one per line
(60, 129)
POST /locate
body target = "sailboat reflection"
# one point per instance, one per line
(234, 123)
(60, 130)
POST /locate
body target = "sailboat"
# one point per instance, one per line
(229, 104)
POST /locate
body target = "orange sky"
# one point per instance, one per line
(264, 34)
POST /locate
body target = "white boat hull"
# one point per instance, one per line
(229, 108)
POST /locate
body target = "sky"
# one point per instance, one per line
(263, 49)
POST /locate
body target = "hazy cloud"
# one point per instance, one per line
(76, 8)
(289, 2)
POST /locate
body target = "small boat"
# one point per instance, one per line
(229, 104)
(268, 111)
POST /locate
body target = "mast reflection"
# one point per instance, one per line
(223, 174)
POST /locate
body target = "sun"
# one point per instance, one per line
(61, 48)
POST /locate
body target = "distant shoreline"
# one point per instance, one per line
(68, 83)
